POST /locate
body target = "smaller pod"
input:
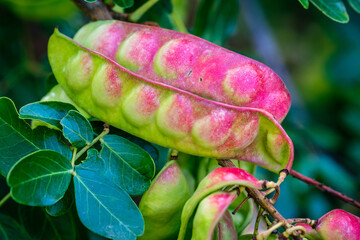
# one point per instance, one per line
(339, 225)
(217, 179)
(209, 212)
(162, 203)
(226, 229)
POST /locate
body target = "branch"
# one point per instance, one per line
(261, 199)
(324, 188)
(99, 11)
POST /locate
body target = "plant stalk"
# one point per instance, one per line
(7, 197)
(84, 149)
(324, 188)
(138, 13)
(262, 200)
(95, 10)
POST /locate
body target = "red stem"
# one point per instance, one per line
(324, 188)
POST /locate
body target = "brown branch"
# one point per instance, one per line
(324, 188)
(99, 11)
(261, 199)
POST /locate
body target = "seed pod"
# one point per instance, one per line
(214, 181)
(162, 203)
(225, 228)
(209, 212)
(339, 225)
(189, 63)
(166, 115)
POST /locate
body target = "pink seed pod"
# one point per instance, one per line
(339, 225)
(217, 179)
(208, 214)
(189, 63)
(163, 114)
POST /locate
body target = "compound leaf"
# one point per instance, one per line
(77, 129)
(40, 178)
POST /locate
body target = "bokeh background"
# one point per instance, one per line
(318, 59)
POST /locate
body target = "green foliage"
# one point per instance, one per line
(94, 191)
(11, 229)
(120, 3)
(334, 9)
(131, 171)
(103, 181)
(63, 205)
(77, 129)
(215, 21)
(50, 112)
(18, 140)
(40, 179)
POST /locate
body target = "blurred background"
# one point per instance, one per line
(318, 59)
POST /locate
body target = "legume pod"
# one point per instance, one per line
(166, 115)
(189, 63)
(162, 203)
(209, 213)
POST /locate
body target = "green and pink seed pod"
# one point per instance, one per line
(214, 181)
(189, 63)
(162, 203)
(208, 214)
(339, 225)
(161, 113)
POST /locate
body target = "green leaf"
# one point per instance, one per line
(105, 208)
(77, 129)
(11, 229)
(40, 179)
(46, 138)
(42, 226)
(63, 205)
(50, 112)
(15, 136)
(148, 147)
(216, 20)
(355, 4)
(124, 3)
(17, 139)
(334, 9)
(127, 164)
(304, 3)
(90, 1)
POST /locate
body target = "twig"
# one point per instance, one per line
(7, 197)
(324, 188)
(261, 200)
(242, 203)
(98, 10)
(303, 220)
(257, 222)
(265, 234)
(84, 149)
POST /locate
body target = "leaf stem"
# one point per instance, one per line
(73, 159)
(4, 199)
(84, 149)
(241, 204)
(302, 220)
(138, 13)
(177, 21)
(324, 188)
(257, 222)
